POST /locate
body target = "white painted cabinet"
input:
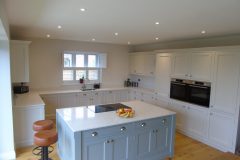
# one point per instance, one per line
(97, 98)
(23, 118)
(197, 121)
(68, 100)
(221, 130)
(85, 98)
(19, 61)
(109, 97)
(163, 72)
(191, 119)
(201, 65)
(180, 65)
(142, 63)
(225, 86)
(194, 65)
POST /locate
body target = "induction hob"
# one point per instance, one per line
(106, 107)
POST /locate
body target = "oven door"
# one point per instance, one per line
(199, 95)
(178, 91)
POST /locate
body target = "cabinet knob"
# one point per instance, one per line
(112, 140)
(143, 124)
(94, 134)
(164, 121)
(107, 141)
(123, 129)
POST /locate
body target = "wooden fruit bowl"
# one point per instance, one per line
(125, 112)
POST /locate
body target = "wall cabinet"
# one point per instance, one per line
(195, 66)
(163, 72)
(19, 61)
(142, 64)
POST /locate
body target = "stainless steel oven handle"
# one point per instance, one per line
(179, 84)
(198, 86)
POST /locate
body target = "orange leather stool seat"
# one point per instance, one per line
(42, 125)
(45, 138)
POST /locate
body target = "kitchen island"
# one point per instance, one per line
(86, 135)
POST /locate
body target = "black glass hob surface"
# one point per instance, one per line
(106, 107)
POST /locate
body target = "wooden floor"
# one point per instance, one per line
(185, 149)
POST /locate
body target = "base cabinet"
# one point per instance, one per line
(221, 130)
(144, 140)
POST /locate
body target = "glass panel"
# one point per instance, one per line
(80, 74)
(93, 75)
(67, 75)
(92, 61)
(67, 60)
(79, 60)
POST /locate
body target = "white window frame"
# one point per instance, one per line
(86, 68)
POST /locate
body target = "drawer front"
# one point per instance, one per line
(143, 125)
(108, 131)
(166, 121)
(84, 94)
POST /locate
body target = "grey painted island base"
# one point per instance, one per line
(150, 139)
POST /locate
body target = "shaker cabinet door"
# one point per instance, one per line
(180, 66)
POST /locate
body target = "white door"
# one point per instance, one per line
(221, 129)
(226, 83)
(149, 64)
(201, 66)
(19, 62)
(197, 121)
(68, 100)
(163, 71)
(180, 66)
(97, 98)
(180, 110)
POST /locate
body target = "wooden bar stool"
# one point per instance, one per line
(42, 125)
(44, 139)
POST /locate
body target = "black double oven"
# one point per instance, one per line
(191, 91)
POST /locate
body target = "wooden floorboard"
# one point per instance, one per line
(185, 149)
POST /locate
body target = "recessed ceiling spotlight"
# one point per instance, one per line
(48, 36)
(157, 23)
(156, 38)
(93, 39)
(129, 43)
(82, 9)
(203, 32)
(59, 27)
(116, 34)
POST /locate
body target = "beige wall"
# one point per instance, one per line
(46, 68)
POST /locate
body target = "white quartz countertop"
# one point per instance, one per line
(27, 100)
(81, 118)
(78, 90)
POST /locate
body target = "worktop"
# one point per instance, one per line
(81, 118)
(27, 100)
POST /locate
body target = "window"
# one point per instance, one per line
(77, 65)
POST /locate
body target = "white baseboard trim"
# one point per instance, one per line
(8, 155)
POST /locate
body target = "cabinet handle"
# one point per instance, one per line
(107, 141)
(112, 140)
(164, 121)
(123, 129)
(94, 134)
(143, 124)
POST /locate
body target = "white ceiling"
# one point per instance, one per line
(134, 20)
